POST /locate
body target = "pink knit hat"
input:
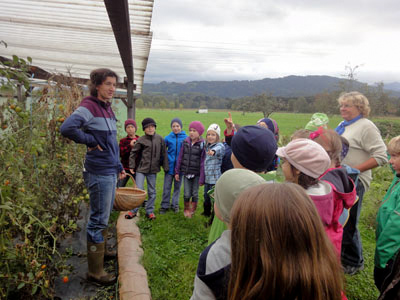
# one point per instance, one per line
(306, 156)
(198, 126)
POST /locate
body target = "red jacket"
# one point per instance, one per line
(125, 150)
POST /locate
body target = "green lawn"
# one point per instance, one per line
(163, 118)
(172, 244)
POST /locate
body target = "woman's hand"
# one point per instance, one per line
(132, 171)
(132, 143)
(94, 148)
(177, 177)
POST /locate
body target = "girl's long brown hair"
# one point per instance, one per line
(279, 247)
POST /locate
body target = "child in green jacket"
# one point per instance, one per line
(388, 221)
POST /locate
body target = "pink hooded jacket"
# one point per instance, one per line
(343, 196)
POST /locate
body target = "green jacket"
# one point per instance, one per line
(388, 225)
(148, 154)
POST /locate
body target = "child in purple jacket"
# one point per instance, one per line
(190, 167)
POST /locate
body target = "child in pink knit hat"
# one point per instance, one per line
(190, 167)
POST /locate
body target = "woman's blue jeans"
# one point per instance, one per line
(101, 190)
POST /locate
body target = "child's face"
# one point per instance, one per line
(288, 171)
(211, 137)
(395, 162)
(150, 130)
(130, 130)
(193, 134)
(263, 124)
(176, 128)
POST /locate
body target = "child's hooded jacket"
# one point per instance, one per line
(148, 154)
(343, 196)
(388, 225)
(173, 143)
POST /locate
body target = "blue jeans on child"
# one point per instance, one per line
(351, 243)
(101, 190)
(168, 180)
(191, 188)
(151, 189)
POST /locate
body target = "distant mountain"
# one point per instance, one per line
(290, 86)
(394, 86)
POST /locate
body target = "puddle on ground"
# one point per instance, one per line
(75, 245)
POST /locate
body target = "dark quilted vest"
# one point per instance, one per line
(191, 158)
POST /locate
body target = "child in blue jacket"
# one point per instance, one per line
(173, 142)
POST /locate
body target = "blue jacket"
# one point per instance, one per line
(212, 164)
(93, 123)
(173, 142)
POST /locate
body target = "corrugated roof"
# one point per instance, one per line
(74, 35)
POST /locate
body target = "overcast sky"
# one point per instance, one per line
(242, 39)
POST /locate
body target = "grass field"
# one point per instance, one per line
(172, 244)
(164, 117)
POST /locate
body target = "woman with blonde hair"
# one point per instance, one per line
(279, 247)
(366, 151)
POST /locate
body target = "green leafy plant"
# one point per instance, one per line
(40, 183)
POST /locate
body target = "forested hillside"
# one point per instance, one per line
(290, 86)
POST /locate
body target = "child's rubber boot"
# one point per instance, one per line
(108, 254)
(186, 209)
(95, 258)
(194, 207)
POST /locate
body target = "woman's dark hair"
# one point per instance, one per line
(97, 77)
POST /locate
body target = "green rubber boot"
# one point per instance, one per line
(96, 273)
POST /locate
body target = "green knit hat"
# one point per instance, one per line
(230, 185)
(317, 120)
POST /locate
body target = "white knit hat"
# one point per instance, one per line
(216, 128)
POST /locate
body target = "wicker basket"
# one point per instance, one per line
(127, 198)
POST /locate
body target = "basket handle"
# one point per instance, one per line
(133, 180)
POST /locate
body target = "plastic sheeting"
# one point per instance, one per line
(73, 36)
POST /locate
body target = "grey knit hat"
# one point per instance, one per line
(176, 120)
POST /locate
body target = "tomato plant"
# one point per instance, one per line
(40, 185)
